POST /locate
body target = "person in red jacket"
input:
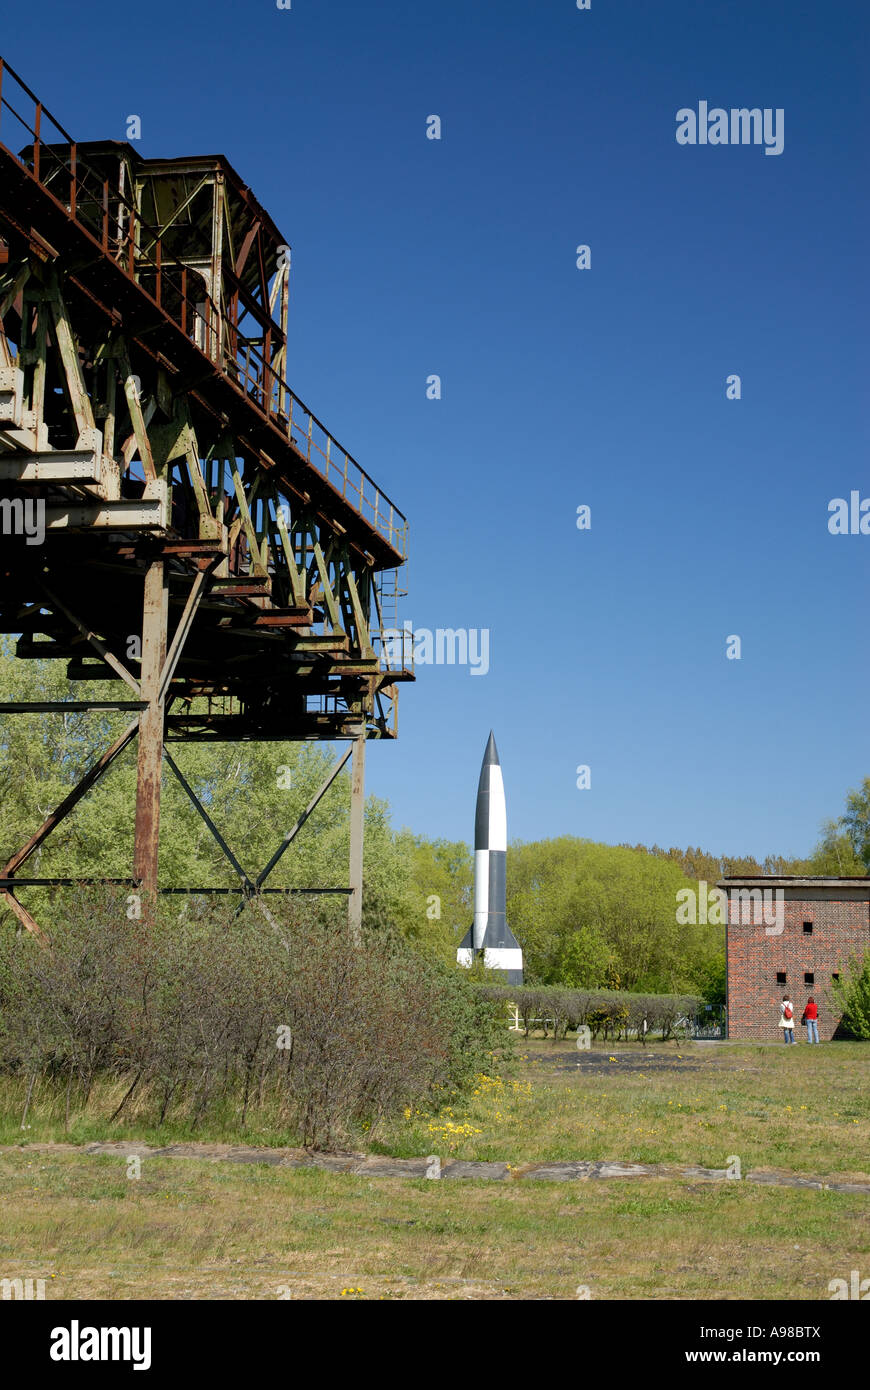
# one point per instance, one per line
(811, 1019)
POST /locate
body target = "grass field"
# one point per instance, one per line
(191, 1229)
(803, 1109)
(203, 1230)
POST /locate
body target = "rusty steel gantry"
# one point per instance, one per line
(196, 514)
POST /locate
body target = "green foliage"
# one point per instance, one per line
(597, 916)
(254, 792)
(852, 992)
(843, 850)
(588, 916)
(439, 891)
(856, 822)
(698, 864)
(585, 959)
(204, 1010)
(834, 856)
(712, 981)
(612, 1013)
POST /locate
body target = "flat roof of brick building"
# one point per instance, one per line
(793, 881)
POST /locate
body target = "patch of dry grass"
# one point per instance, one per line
(212, 1231)
(802, 1109)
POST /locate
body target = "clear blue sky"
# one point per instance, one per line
(562, 387)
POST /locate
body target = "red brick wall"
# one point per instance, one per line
(841, 929)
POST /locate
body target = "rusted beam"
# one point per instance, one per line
(137, 419)
(67, 706)
(69, 354)
(280, 645)
(155, 610)
(357, 812)
(98, 646)
(185, 623)
(24, 917)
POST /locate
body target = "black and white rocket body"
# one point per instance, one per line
(489, 936)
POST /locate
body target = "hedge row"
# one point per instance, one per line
(613, 1014)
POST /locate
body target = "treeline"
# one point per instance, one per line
(254, 792)
(839, 853)
(612, 1014)
(604, 917)
(843, 850)
(588, 915)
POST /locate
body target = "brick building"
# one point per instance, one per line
(790, 936)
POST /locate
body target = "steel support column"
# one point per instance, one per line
(155, 613)
(357, 809)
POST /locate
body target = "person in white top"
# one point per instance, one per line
(786, 1019)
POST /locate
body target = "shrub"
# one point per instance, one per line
(203, 1009)
(853, 998)
(612, 1014)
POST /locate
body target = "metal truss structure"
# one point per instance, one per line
(207, 542)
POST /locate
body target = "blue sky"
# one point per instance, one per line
(562, 387)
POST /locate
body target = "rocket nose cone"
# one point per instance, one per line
(491, 754)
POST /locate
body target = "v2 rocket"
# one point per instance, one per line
(489, 936)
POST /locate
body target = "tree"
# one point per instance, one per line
(586, 959)
(438, 891)
(852, 993)
(713, 982)
(856, 822)
(592, 914)
(834, 855)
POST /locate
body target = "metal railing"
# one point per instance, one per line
(50, 154)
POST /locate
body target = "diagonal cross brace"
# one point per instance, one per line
(185, 623)
(248, 887)
(100, 647)
(71, 799)
(182, 632)
(251, 887)
(291, 834)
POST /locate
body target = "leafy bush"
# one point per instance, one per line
(204, 1010)
(852, 994)
(614, 1014)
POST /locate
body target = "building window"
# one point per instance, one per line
(836, 975)
(780, 977)
(808, 928)
(809, 977)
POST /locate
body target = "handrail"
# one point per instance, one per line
(118, 227)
